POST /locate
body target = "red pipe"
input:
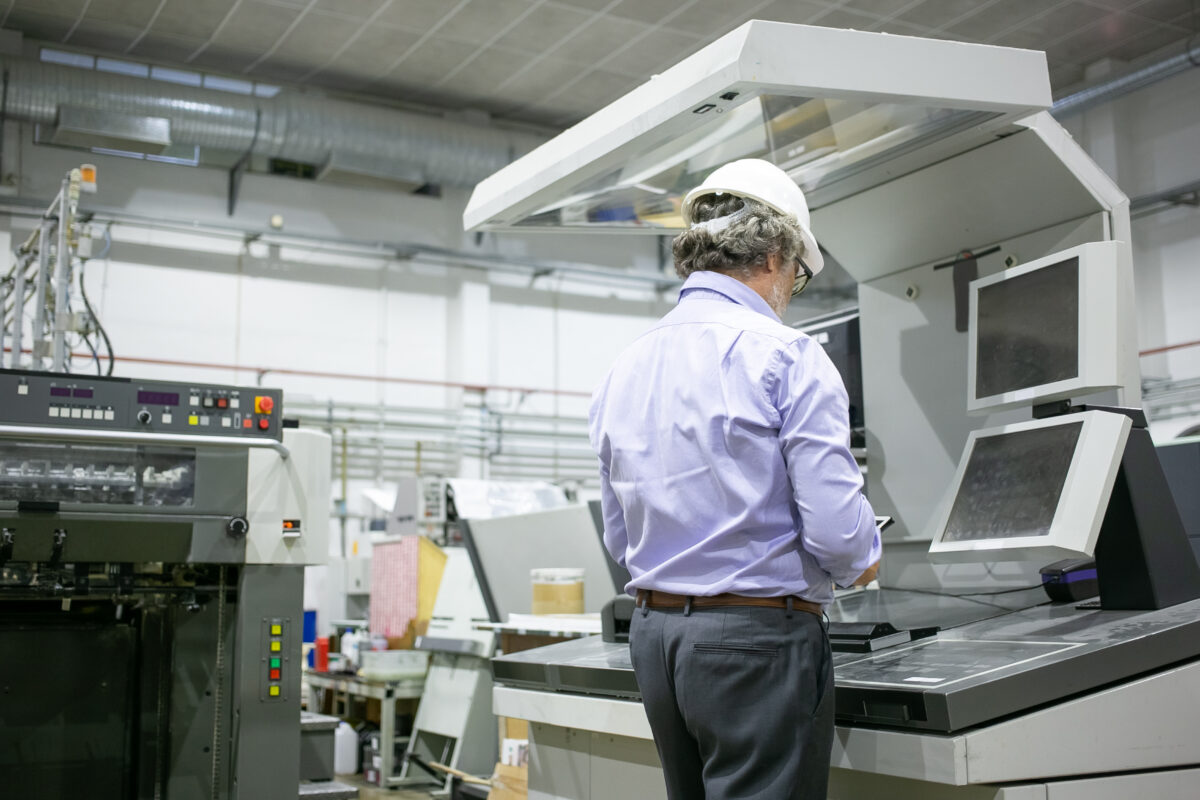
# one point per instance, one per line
(1157, 350)
(338, 375)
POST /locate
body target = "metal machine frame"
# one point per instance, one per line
(454, 724)
(760, 58)
(1012, 185)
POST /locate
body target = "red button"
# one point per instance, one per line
(264, 423)
(222, 402)
(275, 674)
(264, 405)
(247, 423)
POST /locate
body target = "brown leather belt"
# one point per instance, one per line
(653, 599)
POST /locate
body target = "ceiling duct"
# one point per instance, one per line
(89, 127)
(291, 125)
(1129, 82)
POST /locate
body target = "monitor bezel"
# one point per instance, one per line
(1105, 309)
(1081, 505)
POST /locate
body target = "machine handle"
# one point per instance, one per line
(131, 437)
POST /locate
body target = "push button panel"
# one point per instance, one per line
(118, 405)
(275, 661)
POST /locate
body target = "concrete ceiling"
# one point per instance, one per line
(549, 62)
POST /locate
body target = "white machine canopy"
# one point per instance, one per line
(840, 110)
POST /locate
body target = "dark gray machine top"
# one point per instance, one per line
(96, 469)
(1001, 664)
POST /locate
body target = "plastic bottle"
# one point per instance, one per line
(322, 656)
(345, 749)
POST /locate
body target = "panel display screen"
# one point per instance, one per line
(158, 398)
(84, 393)
(1012, 484)
(1027, 330)
(60, 391)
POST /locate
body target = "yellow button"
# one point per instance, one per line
(276, 630)
(276, 647)
(274, 691)
(193, 419)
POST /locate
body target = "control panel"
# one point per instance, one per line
(46, 399)
(275, 659)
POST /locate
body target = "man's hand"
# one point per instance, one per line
(868, 576)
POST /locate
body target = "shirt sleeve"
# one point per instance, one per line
(837, 524)
(616, 536)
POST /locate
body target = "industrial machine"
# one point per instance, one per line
(153, 537)
(994, 278)
(483, 581)
(454, 725)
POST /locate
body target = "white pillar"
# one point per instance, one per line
(468, 348)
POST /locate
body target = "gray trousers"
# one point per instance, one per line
(740, 700)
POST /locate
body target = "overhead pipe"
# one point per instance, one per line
(1187, 194)
(291, 125)
(344, 376)
(414, 251)
(1130, 82)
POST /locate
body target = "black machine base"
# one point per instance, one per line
(1144, 560)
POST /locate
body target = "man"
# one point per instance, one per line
(730, 494)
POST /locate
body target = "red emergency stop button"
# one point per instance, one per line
(264, 423)
(264, 405)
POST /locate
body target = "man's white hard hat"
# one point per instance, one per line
(756, 179)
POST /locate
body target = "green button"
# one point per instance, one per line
(274, 663)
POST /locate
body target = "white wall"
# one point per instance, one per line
(1149, 141)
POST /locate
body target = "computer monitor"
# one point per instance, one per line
(1032, 490)
(620, 575)
(1051, 329)
(838, 334)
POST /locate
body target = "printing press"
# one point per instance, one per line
(154, 538)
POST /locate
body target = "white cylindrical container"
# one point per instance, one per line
(557, 590)
(345, 750)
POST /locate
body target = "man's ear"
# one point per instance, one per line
(774, 263)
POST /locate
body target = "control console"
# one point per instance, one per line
(46, 399)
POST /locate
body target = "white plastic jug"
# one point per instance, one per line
(345, 750)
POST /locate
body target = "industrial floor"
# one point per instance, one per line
(367, 791)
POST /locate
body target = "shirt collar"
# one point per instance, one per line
(732, 288)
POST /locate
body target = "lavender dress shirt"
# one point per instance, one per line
(723, 439)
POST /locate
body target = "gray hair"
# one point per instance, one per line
(743, 246)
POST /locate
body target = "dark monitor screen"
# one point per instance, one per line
(620, 576)
(841, 343)
(1012, 484)
(1027, 330)
(840, 339)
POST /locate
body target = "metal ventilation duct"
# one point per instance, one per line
(290, 125)
(1129, 82)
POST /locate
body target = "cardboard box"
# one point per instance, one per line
(509, 783)
(514, 728)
